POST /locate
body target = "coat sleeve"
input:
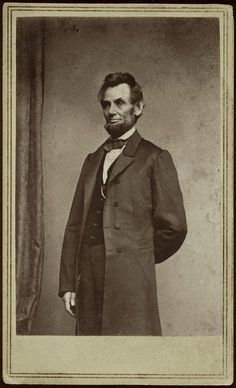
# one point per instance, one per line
(67, 278)
(169, 218)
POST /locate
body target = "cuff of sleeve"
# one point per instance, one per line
(63, 290)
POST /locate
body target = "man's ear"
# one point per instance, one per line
(138, 108)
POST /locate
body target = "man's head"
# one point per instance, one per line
(121, 98)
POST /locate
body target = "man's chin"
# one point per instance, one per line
(116, 129)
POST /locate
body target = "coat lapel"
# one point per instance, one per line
(90, 179)
(123, 161)
(126, 157)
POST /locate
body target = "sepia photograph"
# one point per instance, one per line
(118, 200)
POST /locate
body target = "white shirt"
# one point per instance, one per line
(112, 155)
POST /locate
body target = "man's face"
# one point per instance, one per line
(119, 112)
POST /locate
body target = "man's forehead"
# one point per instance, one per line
(118, 91)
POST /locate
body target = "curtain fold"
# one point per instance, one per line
(29, 172)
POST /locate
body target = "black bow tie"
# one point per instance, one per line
(112, 144)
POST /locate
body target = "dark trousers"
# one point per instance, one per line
(90, 290)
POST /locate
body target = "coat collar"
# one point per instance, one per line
(123, 161)
(126, 157)
(129, 150)
(132, 144)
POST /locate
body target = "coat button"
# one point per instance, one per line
(116, 204)
(117, 226)
(119, 250)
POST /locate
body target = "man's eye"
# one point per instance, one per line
(119, 103)
(104, 104)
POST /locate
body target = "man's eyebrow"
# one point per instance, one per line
(105, 102)
(119, 99)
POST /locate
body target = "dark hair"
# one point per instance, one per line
(114, 79)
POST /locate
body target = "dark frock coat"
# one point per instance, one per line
(143, 222)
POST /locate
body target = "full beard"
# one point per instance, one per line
(116, 130)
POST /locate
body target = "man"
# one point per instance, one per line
(127, 215)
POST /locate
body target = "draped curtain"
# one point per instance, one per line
(29, 173)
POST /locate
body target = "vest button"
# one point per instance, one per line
(119, 250)
(116, 204)
(116, 226)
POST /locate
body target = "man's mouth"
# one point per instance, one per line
(114, 121)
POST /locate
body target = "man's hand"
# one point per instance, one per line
(69, 302)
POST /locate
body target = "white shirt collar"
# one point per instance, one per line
(127, 134)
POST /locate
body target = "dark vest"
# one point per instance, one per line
(93, 232)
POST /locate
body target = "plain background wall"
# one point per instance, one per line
(176, 61)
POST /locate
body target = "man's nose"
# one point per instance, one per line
(112, 109)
